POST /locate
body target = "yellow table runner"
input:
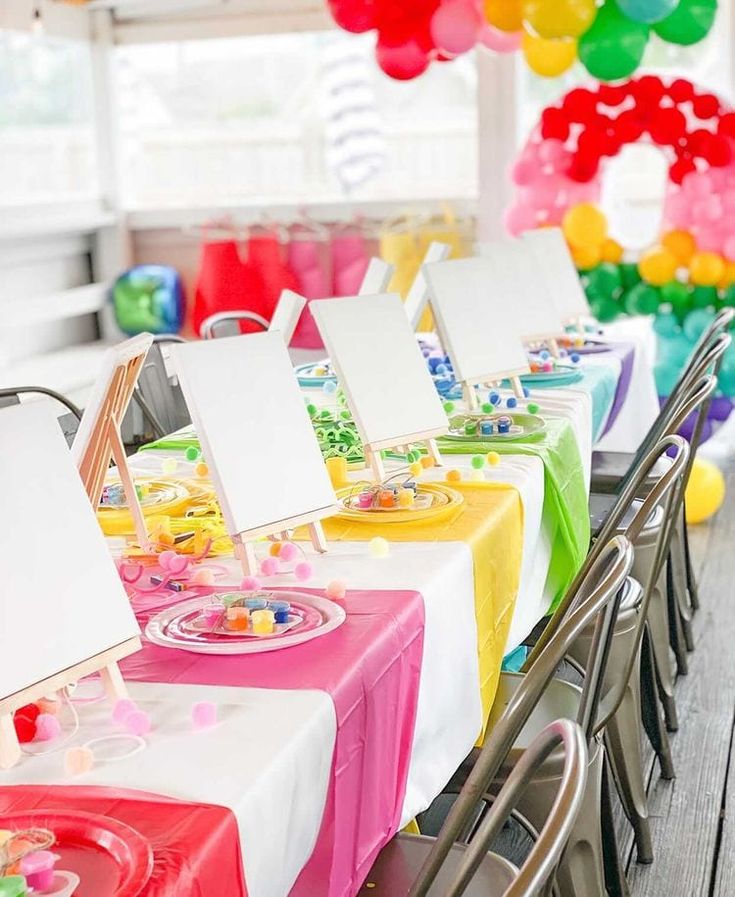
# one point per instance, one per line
(490, 521)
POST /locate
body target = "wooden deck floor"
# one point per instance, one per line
(693, 817)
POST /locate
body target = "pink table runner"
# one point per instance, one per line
(371, 667)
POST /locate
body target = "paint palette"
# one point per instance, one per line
(192, 626)
(561, 375)
(431, 500)
(165, 497)
(315, 374)
(472, 426)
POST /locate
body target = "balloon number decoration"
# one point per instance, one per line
(609, 40)
(690, 273)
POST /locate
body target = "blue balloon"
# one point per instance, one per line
(696, 322)
(647, 12)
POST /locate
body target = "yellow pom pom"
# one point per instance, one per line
(611, 251)
(658, 266)
(416, 468)
(201, 469)
(706, 269)
(379, 547)
(586, 257)
(426, 462)
(681, 243)
(275, 549)
(493, 458)
(454, 476)
(584, 225)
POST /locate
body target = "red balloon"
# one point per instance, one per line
(720, 151)
(354, 15)
(580, 105)
(398, 23)
(698, 143)
(680, 169)
(706, 105)
(554, 124)
(402, 62)
(629, 126)
(680, 90)
(647, 90)
(726, 125)
(667, 126)
(582, 169)
(611, 94)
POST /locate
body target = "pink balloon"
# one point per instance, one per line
(728, 247)
(552, 152)
(708, 209)
(402, 62)
(709, 238)
(455, 26)
(500, 41)
(728, 201)
(678, 210)
(519, 218)
(547, 191)
(698, 183)
(525, 171)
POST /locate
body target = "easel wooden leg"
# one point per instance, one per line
(113, 682)
(375, 459)
(136, 512)
(554, 347)
(434, 453)
(515, 382)
(10, 752)
(245, 553)
(318, 539)
(471, 397)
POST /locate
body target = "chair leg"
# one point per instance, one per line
(691, 578)
(679, 588)
(616, 884)
(650, 712)
(658, 626)
(676, 631)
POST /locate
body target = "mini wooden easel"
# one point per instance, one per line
(495, 380)
(550, 339)
(104, 441)
(245, 550)
(374, 457)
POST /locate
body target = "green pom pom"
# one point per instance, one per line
(312, 409)
(449, 407)
(325, 414)
(488, 408)
(478, 462)
(532, 408)
(341, 398)
(345, 415)
(192, 453)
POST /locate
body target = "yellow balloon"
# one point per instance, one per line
(706, 269)
(559, 18)
(586, 257)
(504, 14)
(705, 491)
(681, 243)
(658, 266)
(585, 225)
(611, 251)
(548, 58)
(728, 278)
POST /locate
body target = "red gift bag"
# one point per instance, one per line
(225, 283)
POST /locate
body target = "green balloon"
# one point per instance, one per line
(704, 297)
(604, 310)
(728, 297)
(688, 23)
(675, 292)
(613, 45)
(604, 280)
(629, 274)
(643, 299)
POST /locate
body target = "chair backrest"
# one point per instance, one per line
(159, 396)
(227, 323)
(543, 859)
(69, 422)
(600, 596)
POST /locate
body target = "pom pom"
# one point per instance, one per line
(47, 727)
(544, 354)
(312, 409)
(289, 552)
(330, 387)
(122, 708)
(415, 468)
(201, 470)
(336, 590)
(25, 728)
(488, 408)
(250, 584)
(192, 453)
(167, 559)
(512, 402)
(269, 566)
(478, 462)
(477, 476)
(169, 465)
(275, 549)
(379, 547)
(303, 571)
(426, 462)
(532, 408)
(449, 407)
(454, 476)
(48, 705)
(30, 711)
(203, 576)
(574, 358)
(441, 369)
(203, 714)
(138, 723)
(493, 458)
(78, 760)
(493, 398)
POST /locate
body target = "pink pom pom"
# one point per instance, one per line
(203, 714)
(288, 552)
(178, 564)
(47, 727)
(204, 576)
(336, 590)
(269, 566)
(78, 760)
(303, 571)
(123, 708)
(250, 584)
(138, 723)
(166, 558)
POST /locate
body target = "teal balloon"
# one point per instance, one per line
(726, 376)
(613, 46)
(647, 12)
(666, 324)
(689, 23)
(696, 322)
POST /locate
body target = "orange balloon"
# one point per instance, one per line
(586, 257)
(706, 268)
(585, 225)
(504, 14)
(681, 243)
(658, 266)
(728, 278)
(611, 251)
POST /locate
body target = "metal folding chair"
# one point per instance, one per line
(69, 422)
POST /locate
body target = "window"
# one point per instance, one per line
(294, 117)
(47, 147)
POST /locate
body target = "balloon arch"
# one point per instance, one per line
(690, 273)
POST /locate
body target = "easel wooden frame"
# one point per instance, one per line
(418, 296)
(103, 441)
(494, 380)
(281, 531)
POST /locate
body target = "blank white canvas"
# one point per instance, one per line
(418, 294)
(287, 314)
(380, 366)
(376, 277)
(519, 291)
(112, 359)
(254, 429)
(62, 599)
(479, 341)
(558, 271)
